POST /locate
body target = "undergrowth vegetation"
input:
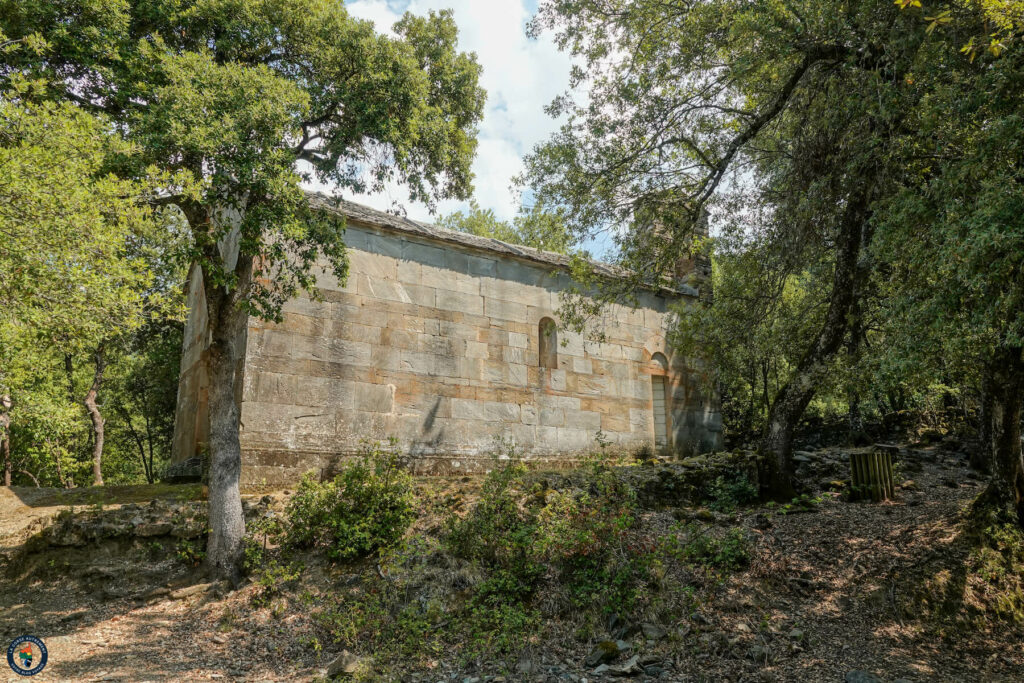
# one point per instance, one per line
(488, 579)
(366, 507)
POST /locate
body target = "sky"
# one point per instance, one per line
(521, 76)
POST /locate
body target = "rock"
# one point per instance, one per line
(760, 653)
(951, 483)
(189, 591)
(605, 651)
(653, 631)
(887, 448)
(219, 639)
(526, 664)
(191, 530)
(148, 529)
(695, 461)
(157, 592)
(344, 664)
(624, 631)
(604, 668)
(631, 667)
(862, 677)
(796, 634)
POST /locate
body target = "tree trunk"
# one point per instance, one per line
(55, 450)
(854, 417)
(96, 417)
(1006, 488)
(31, 476)
(794, 396)
(227, 524)
(147, 468)
(981, 457)
(5, 437)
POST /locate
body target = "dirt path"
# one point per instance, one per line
(832, 583)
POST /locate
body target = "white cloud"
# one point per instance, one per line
(520, 75)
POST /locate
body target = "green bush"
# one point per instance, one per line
(732, 551)
(729, 493)
(368, 506)
(523, 533)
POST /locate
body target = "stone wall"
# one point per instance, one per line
(436, 344)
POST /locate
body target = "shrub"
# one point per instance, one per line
(521, 533)
(732, 551)
(368, 506)
(727, 494)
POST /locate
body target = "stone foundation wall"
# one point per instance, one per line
(437, 345)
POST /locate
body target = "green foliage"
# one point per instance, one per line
(534, 227)
(272, 578)
(140, 402)
(228, 96)
(498, 617)
(729, 493)
(526, 536)
(80, 277)
(190, 552)
(367, 507)
(729, 552)
(521, 534)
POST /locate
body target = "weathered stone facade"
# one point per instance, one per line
(443, 341)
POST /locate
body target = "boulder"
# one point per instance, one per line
(604, 651)
(631, 667)
(653, 631)
(189, 591)
(345, 664)
(148, 529)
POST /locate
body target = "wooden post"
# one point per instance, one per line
(871, 476)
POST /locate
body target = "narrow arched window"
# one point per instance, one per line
(547, 337)
(659, 398)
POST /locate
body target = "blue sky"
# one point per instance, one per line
(520, 75)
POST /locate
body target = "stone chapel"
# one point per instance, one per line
(446, 342)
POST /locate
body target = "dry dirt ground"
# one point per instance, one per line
(821, 598)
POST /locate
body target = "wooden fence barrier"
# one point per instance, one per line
(871, 476)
